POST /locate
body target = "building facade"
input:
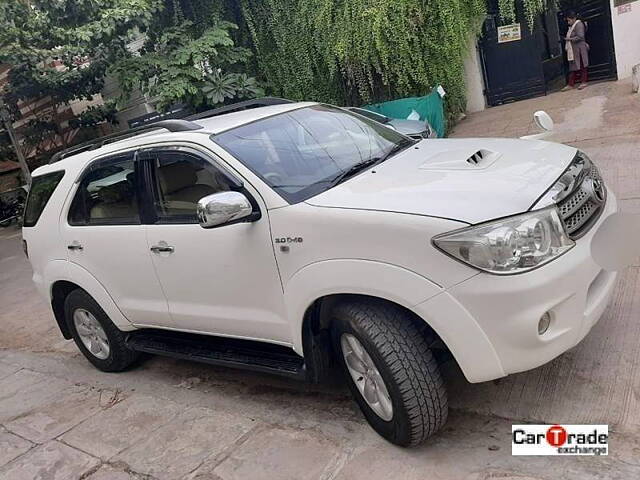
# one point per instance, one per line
(511, 63)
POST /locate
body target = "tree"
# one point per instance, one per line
(61, 50)
(189, 56)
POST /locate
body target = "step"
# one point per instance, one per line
(229, 352)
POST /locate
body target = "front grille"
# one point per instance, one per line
(581, 208)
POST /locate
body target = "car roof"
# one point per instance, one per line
(228, 121)
(211, 126)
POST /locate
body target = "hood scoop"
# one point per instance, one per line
(461, 160)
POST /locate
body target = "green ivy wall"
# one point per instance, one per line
(359, 51)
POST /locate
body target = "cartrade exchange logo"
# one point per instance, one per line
(560, 440)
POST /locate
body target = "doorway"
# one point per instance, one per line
(533, 63)
(597, 15)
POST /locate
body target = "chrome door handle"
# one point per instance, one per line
(162, 249)
(75, 246)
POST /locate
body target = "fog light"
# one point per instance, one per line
(543, 324)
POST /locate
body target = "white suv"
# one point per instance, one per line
(294, 237)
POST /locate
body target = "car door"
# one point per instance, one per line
(105, 236)
(221, 280)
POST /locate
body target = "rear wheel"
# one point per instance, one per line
(390, 370)
(95, 334)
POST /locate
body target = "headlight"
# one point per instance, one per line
(511, 245)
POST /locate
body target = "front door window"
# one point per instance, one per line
(181, 180)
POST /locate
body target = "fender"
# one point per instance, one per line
(354, 276)
(63, 270)
(465, 339)
(459, 331)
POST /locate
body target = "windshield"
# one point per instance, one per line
(303, 152)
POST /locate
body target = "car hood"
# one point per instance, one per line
(471, 180)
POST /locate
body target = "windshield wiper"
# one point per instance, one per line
(350, 172)
(358, 167)
(395, 149)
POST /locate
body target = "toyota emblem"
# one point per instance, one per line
(596, 190)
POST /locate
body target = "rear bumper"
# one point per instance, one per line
(497, 317)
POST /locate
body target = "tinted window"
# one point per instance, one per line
(300, 153)
(107, 194)
(42, 187)
(181, 180)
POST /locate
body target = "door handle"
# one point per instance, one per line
(162, 249)
(75, 246)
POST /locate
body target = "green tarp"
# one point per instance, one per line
(429, 107)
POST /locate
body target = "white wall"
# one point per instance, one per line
(626, 33)
(473, 79)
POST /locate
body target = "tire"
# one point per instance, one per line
(119, 357)
(401, 355)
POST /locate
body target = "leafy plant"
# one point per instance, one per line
(247, 87)
(95, 115)
(188, 62)
(357, 51)
(218, 87)
(530, 9)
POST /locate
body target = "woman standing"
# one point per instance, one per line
(577, 51)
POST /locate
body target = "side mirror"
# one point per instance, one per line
(221, 208)
(543, 121)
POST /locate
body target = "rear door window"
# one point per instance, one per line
(42, 187)
(107, 194)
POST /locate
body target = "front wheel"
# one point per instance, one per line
(390, 370)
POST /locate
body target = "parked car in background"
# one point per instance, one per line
(411, 128)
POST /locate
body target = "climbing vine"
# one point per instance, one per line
(530, 10)
(359, 51)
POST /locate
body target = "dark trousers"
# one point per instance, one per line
(573, 76)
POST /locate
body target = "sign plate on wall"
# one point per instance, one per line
(509, 33)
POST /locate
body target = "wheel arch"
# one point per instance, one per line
(457, 330)
(63, 277)
(314, 289)
(59, 292)
(316, 326)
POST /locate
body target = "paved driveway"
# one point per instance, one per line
(168, 419)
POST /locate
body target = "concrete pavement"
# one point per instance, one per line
(167, 419)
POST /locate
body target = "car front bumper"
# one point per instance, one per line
(497, 316)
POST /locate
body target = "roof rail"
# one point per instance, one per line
(236, 107)
(173, 125)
